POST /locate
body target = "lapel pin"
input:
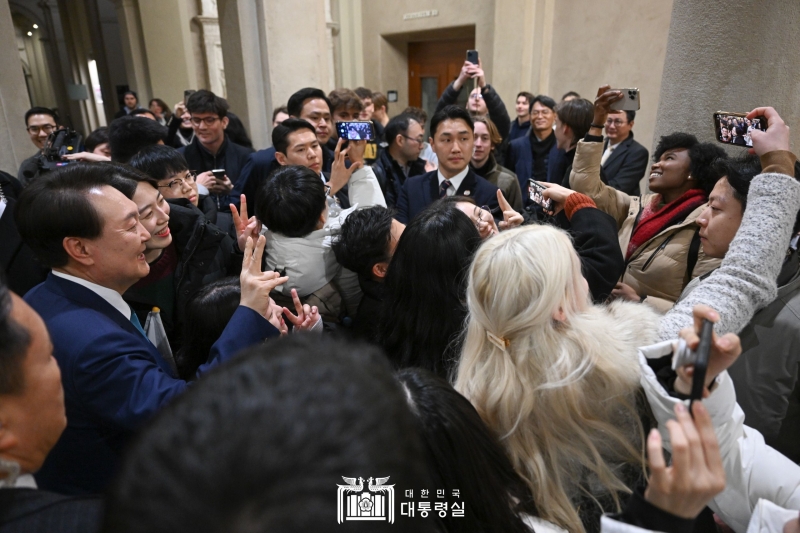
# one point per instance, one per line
(466, 193)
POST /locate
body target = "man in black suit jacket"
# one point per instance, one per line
(624, 160)
(452, 139)
(311, 105)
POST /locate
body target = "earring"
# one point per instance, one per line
(689, 177)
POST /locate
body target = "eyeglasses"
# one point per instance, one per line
(418, 140)
(616, 122)
(476, 96)
(480, 223)
(177, 184)
(208, 121)
(47, 128)
(542, 113)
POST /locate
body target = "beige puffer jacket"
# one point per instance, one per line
(658, 269)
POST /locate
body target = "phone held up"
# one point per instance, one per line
(219, 174)
(472, 56)
(630, 100)
(735, 128)
(536, 192)
(698, 358)
(357, 130)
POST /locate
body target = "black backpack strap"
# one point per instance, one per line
(694, 251)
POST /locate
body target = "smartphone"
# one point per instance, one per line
(186, 94)
(701, 363)
(219, 173)
(629, 102)
(735, 128)
(358, 130)
(472, 56)
(536, 193)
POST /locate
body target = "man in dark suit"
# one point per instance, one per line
(114, 378)
(311, 105)
(624, 160)
(32, 411)
(452, 139)
(212, 149)
(536, 156)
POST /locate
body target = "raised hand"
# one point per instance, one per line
(724, 351)
(557, 194)
(221, 186)
(245, 227)
(257, 284)
(511, 219)
(340, 174)
(605, 97)
(696, 474)
(775, 138)
(307, 316)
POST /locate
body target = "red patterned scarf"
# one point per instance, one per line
(654, 220)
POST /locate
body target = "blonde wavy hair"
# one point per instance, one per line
(559, 396)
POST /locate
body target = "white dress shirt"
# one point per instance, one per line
(455, 181)
(3, 204)
(110, 295)
(607, 153)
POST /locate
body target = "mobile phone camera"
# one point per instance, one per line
(632, 95)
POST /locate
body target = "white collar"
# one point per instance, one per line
(110, 295)
(456, 180)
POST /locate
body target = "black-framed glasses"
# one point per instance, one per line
(177, 183)
(615, 122)
(208, 121)
(419, 140)
(47, 128)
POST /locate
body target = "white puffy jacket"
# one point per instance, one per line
(753, 470)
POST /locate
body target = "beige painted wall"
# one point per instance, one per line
(703, 73)
(619, 43)
(386, 37)
(168, 44)
(544, 46)
(15, 145)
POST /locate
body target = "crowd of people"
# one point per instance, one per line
(483, 324)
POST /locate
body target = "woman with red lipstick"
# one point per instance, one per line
(658, 231)
(185, 252)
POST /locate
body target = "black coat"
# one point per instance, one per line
(26, 510)
(365, 325)
(594, 236)
(205, 254)
(494, 104)
(421, 191)
(230, 156)
(391, 177)
(625, 167)
(22, 270)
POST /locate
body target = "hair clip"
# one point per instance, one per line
(500, 342)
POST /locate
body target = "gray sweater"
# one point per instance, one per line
(746, 280)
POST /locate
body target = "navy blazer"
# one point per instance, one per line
(421, 191)
(626, 166)
(519, 158)
(114, 379)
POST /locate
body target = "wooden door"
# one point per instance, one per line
(432, 65)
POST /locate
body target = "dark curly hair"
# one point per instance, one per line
(702, 157)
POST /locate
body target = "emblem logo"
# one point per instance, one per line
(353, 502)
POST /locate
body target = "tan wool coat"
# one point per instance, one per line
(658, 268)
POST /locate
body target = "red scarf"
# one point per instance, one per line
(654, 220)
